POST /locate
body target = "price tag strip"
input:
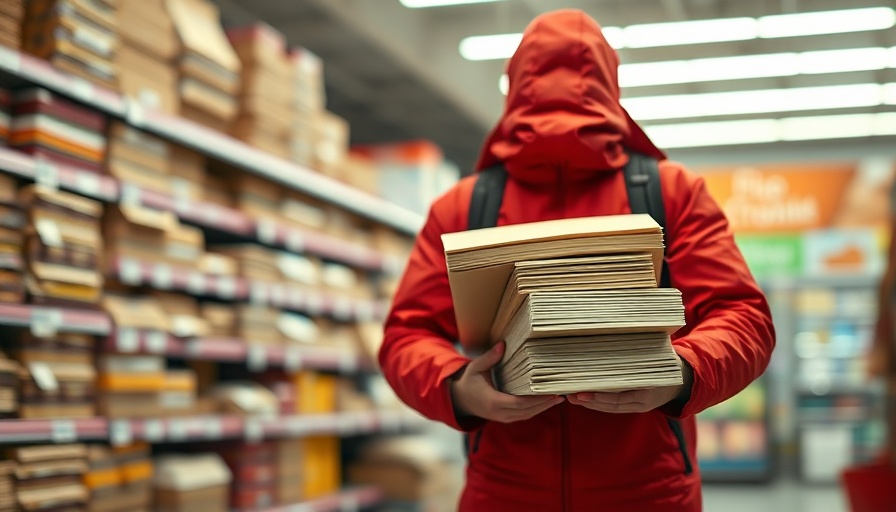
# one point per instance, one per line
(45, 322)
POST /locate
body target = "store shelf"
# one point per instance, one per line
(349, 500)
(208, 141)
(293, 297)
(204, 214)
(205, 428)
(52, 319)
(256, 357)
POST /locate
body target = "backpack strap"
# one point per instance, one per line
(645, 195)
(488, 194)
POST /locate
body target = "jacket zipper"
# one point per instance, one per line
(675, 425)
(476, 437)
(564, 458)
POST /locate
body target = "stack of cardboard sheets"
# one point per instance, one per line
(575, 300)
(265, 115)
(50, 477)
(57, 376)
(144, 60)
(77, 36)
(9, 388)
(138, 158)
(191, 483)
(209, 69)
(63, 247)
(50, 127)
(7, 486)
(12, 13)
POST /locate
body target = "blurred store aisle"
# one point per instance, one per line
(780, 495)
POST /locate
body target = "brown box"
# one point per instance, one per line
(143, 312)
(331, 140)
(191, 483)
(184, 245)
(205, 104)
(309, 80)
(146, 79)
(253, 194)
(183, 314)
(257, 325)
(254, 262)
(147, 26)
(219, 265)
(303, 211)
(130, 405)
(138, 158)
(137, 232)
(221, 319)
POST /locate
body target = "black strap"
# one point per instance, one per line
(642, 183)
(645, 195)
(488, 194)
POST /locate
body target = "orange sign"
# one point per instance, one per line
(788, 198)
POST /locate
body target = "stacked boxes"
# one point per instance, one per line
(138, 158)
(77, 36)
(11, 14)
(12, 223)
(208, 68)
(322, 470)
(47, 126)
(145, 59)
(265, 116)
(151, 236)
(50, 477)
(57, 376)
(119, 479)
(191, 483)
(186, 173)
(63, 247)
(290, 454)
(7, 486)
(309, 99)
(9, 387)
(254, 474)
(131, 386)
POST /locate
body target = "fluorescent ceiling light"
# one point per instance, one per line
(417, 4)
(707, 31)
(690, 32)
(758, 101)
(756, 131)
(755, 66)
(826, 22)
(496, 47)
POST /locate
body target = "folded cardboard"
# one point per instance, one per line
(187, 173)
(253, 261)
(137, 157)
(245, 398)
(258, 325)
(405, 468)
(222, 319)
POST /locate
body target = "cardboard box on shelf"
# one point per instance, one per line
(254, 262)
(137, 312)
(257, 325)
(298, 328)
(303, 211)
(9, 387)
(290, 456)
(183, 314)
(208, 66)
(308, 74)
(331, 142)
(221, 319)
(406, 468)
(136, 232)
(217, 190)
(219, 265)
(184, 245)
(315, 392)
(56, 390)
(245, 398)
(147, 26)
(322, 466)
(301, 141)
(149, 81)
(253, 195)
(186, 169)
(178, 394)
(137, 157)
(191, 483)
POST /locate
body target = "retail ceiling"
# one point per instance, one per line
(396, 73)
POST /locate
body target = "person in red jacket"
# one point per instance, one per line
(564, 138)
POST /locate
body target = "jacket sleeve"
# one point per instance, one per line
(418, 356)
(729, 336)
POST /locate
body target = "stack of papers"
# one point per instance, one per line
(576, 301)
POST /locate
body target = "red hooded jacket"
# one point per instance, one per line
(564, 138)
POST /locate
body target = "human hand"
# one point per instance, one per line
(473, 393)
(638, 400)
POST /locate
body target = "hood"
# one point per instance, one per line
(562, 111)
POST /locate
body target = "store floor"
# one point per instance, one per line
(782, 495)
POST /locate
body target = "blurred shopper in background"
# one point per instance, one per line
(563, 139)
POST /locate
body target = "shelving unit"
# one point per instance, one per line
(218, 223)
(27, 69)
